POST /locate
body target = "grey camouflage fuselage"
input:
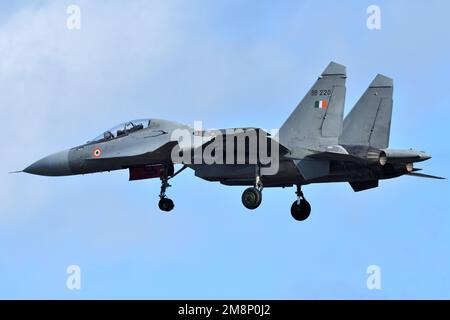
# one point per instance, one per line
(315, 144)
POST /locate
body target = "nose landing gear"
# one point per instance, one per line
(300, 209)
(166, 204)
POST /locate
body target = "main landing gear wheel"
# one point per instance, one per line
(251, 198)
(166, 204)
(300, 209)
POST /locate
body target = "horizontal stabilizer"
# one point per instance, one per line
(334, 156)
(423, 175)
(364, 185)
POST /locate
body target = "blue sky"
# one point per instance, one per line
(229, 64)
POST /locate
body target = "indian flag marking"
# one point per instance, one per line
(321, 104)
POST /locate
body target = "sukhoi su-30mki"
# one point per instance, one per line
(314, 145)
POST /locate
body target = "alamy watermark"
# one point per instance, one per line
(73, 281)
(73, 21)
(374, 279)
(373, 21)
(244, 146)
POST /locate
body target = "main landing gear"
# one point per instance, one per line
(166, 204)
(301, 208)
(252, 197)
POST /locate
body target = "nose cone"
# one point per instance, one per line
(53, 165)
(424, 156)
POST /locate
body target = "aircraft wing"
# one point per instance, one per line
(242, 142)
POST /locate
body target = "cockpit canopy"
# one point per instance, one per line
(123, 129)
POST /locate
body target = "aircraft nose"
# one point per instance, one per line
(424, 156)
(53, 165)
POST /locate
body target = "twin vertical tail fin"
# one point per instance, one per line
(317, 120)
(369, 122)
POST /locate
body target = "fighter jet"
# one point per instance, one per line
(314, 145)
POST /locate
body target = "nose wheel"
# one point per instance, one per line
(300, 209)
